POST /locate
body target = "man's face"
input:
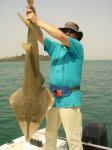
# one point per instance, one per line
(71, 33)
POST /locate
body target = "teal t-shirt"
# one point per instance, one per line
(65, 69)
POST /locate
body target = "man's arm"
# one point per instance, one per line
(51, 30)
(30, 9)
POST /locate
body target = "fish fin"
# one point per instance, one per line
(26, 47)
(26, 22)
(28, 127)
(30, 1)
(41, 78)
(49, 98)
(17, 94)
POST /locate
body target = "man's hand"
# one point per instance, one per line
(31, 14)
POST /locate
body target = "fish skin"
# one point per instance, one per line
(30, 1)
(32, 101)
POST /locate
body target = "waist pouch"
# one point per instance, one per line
(62, 91)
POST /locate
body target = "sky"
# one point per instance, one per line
(94, 18)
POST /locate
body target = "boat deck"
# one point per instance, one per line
(38, 143)
(37, 139)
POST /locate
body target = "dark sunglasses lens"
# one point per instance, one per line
(69, 31)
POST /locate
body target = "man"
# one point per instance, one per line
(65, 79)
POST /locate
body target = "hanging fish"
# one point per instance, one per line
(32, 101)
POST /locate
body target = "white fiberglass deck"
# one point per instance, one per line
(21, 144)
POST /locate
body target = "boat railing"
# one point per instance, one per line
(96, 146)
(90, 144)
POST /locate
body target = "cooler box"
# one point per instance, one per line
(94, 133)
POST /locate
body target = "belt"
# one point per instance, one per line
(74, 88)
(62, 91)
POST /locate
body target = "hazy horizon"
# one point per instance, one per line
(93, 17)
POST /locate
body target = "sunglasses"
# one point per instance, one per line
(68, 31)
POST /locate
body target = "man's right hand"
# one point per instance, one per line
(31, 14)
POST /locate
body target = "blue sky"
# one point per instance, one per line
(93, 16)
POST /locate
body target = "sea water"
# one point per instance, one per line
(96, 90)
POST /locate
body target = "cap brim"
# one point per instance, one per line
(64, 29)
(79, 33)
